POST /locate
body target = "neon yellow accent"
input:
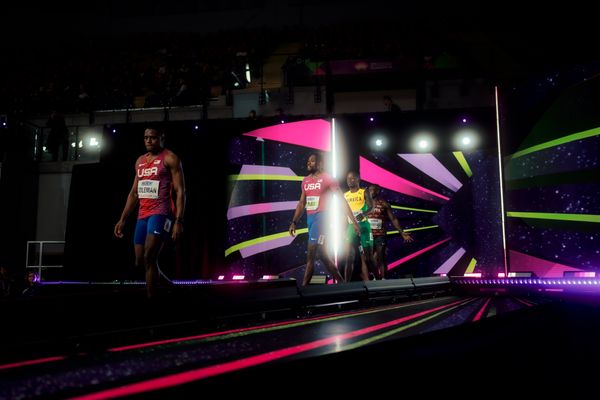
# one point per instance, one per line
(262, 239)
(463, 162)
(414, 209)
(471, 266)
(420, 228)
(557, 142)
(264, 177)
(556, 216)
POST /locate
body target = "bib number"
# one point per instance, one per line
(312, 203)
(148, 189)
(376, 223)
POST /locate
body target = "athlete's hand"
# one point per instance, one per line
(119, 229)
(356, 228)
(407, 237)
(292, 229)
(177, 231)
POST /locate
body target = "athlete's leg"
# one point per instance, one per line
(151, 251)
(139, 240)
(366, 252)
(351, 244)
(158, 229)
(380, 257)
(367, 263)
(310, 263)
(324, 257)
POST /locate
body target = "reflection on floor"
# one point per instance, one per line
(394, 341)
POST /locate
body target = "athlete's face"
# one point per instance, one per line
(352, 180)
(152, 140)
(374, 191)
(311, 164)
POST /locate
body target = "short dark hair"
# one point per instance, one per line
(158, 128)
(318, 157)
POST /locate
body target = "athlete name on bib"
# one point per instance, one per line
(375, 223)
(312, 203)
(148, 189)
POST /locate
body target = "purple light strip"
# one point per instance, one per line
(429, 165)
(312, 133)
(260, 208)
(375, 174)
(450, 262)
(265, 170)
(589, 283)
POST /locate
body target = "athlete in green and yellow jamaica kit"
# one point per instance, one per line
(360, 203)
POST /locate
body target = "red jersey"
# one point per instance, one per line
(316, 188)
(378, 218)
(155, 184)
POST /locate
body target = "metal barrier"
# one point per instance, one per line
(39, 244)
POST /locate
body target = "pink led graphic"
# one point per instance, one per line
(315, 133)
(31, 362)
(584, 274)
(481, 310)
(180, 378)
(418, 253)
(375, 174)
(542, 268)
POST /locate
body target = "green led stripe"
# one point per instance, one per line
(556, 216)
(262, 239)
(402, 328)
(559, 141)
(264, 177)
(463, 162)
(471, 266)
(420, 228)
(569, 177)
(414, 209)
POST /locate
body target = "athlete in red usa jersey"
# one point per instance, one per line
(316, 187)
(154, 185)
(158, 174)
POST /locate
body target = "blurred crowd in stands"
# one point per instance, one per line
(126, 71)
(118, 71)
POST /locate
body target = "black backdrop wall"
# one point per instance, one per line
(99, 191)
